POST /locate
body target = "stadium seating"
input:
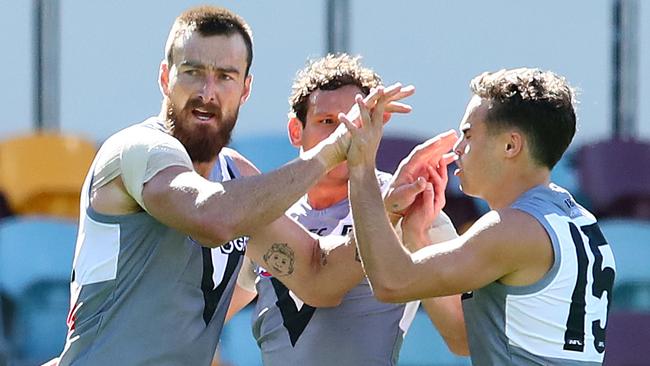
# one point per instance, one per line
(6, 322)
(423, 346)
(41, 321)
(267, 152)
(628, 325)
(35, 263)
(237, 345)
(628, 337)
(34, 248)
(632, 296)
(392, 149)
(614, 175)
(630, 242)
(43, 173)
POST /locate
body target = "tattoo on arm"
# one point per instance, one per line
(280, 258)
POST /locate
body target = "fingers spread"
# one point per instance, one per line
(348, 123)
(398, 107)
(364, 111)
(449, 158)
(375, 93)
(435, 147)
(402, 93)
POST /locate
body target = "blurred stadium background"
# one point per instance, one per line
(74, 72)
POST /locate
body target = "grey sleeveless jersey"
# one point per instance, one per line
(560, 320)
(359, 331)
(156, 296)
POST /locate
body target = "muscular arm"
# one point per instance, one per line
(215, 212)
(446, 312)
(319, 270)
(490, 251)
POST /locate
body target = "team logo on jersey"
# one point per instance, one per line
(235, 245)
(319, 231)
(238, 244)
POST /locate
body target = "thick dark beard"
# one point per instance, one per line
(203, 144)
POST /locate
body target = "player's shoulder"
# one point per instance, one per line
(150, 135)
(503, 229)
(506, 226)
(141, 140)
(245, 166)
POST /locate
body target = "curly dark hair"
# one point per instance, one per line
(539, 103)
(209, 21)
(329, 73)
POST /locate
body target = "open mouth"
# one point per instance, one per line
(202, 115)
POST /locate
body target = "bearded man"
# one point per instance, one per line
(147, 286)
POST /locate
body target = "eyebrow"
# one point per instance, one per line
(317, 113)
(198, 65)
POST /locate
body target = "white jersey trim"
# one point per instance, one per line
(96, 261)
(410, 310)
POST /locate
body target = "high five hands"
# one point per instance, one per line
(417, 190)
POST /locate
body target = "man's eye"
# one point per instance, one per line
(328, 121)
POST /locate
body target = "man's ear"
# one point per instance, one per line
(294, 129)
(163, 78)
(514, 144)
(248, 84)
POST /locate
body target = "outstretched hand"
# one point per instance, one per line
(425, 165)
(366, 119)
(393, 93)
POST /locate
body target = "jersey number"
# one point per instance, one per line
(574, 337)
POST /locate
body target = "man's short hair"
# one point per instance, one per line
(538, 103)
(328, 73)
(209, 21)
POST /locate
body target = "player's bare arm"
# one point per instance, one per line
(491, 245)
(320, 270)
(445, 312)
(245, 290)
(214, 212)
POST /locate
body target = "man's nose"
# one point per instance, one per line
(209, 91)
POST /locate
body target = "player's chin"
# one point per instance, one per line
(466, 188)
